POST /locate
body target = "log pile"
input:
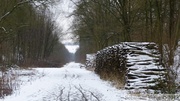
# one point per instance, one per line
(111, 60)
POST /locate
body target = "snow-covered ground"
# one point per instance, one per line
(72, 83)
(69, 83)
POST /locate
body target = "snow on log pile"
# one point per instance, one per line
(140, 62)
(144, 68)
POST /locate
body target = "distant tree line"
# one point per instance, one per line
(101, 23)
(28, 36)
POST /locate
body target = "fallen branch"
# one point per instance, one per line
(94, 96)
(83, 95)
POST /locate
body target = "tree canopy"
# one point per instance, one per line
(101, 23)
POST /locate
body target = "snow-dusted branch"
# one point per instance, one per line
(3, 29)
(22, 2)
(15, 6)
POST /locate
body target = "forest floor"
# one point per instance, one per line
(69, 83)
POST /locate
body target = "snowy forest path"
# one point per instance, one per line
(72, 82)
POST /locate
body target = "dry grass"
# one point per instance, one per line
(116, 78)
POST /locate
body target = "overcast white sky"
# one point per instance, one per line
(61, 12)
